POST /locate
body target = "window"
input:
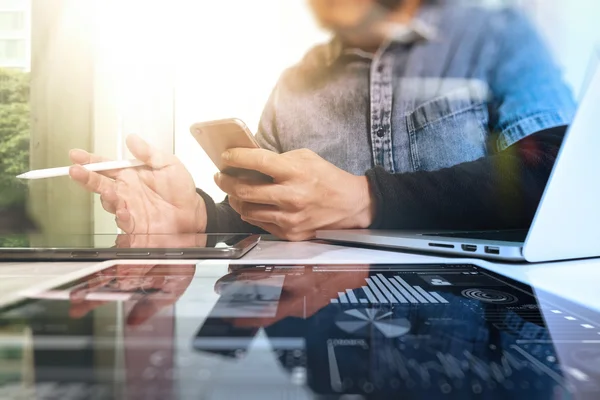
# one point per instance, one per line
(232, 76)
(12, 21)
(12, 49)
(13, 4)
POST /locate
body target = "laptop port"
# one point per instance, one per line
(441, 245)
(469, 247)
(492, 250)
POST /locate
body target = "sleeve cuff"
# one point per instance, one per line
(375, 187)
(211, 212)
(533, 124)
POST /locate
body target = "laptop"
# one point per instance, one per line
(566, 223)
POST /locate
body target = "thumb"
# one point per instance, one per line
(149, 154)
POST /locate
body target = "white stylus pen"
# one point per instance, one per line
(96, 167)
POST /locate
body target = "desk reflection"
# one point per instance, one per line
(310, 332)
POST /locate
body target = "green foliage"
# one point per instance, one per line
(14, 86)
(14, 135)
(14, 241)
(11, 353)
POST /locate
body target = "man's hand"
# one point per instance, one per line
(307, 193)
(158, 198)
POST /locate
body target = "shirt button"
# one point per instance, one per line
(380, 132)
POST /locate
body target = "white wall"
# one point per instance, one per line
(133, 80)
(571, 28)
(230, 55)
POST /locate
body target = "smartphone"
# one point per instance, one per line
(215, 137)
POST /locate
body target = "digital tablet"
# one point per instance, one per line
(114, 246)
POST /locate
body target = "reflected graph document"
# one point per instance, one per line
(380, 289)
(250, 298)
(441, 332)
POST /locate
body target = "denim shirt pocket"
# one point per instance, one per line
(448, 130)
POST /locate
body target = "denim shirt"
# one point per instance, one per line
(466, 82)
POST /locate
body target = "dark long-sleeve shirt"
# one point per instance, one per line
(501, 191)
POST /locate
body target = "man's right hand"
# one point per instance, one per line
(158, 198)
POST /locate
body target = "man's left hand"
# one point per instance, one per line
(307, 193)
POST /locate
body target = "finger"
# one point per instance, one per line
(265, 161)
(254, 192)
(80, 310)
(271, 228)
(130, 206)
(82, 157)
(123, 241)
(79, 293)
(125, 220)
(142, 312)
(256, 212)
(148, 154)
(148, 306)
(283, 233)
(91, 181)
(109, 200)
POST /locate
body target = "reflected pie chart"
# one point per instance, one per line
(365, 322)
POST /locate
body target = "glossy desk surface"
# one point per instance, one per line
(575, 280)
(301, 321)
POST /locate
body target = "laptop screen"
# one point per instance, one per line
(593, 66)
(298, 332)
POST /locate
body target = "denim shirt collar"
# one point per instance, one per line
(422, 28)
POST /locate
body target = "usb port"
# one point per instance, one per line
(469, 247)
(492, 250)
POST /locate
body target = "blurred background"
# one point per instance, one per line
(85, 73)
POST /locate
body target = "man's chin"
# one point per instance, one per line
(337, 26)
(359, 24)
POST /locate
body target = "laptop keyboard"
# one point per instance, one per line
(503, 236)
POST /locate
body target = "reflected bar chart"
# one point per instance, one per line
(383, 290)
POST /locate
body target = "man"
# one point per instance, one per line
(418, 114)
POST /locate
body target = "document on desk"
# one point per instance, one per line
(19, 279)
